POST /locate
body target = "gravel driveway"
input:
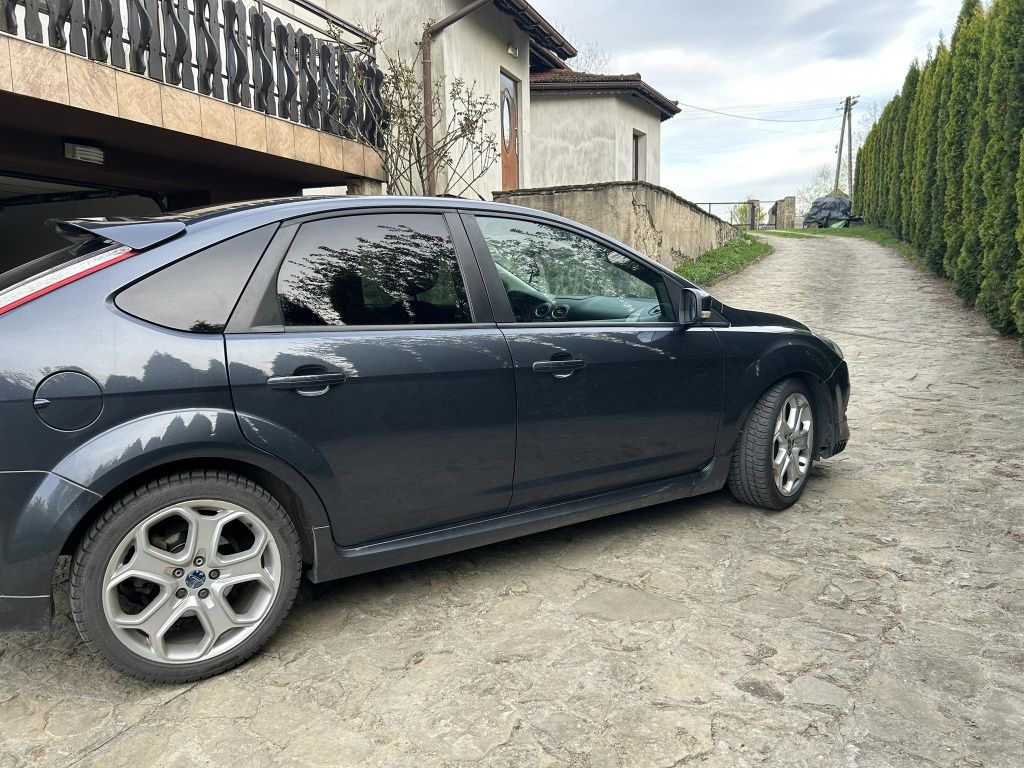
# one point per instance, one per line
(880, 622)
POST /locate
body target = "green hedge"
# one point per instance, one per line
(943, 168)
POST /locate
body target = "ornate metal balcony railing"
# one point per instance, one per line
(307, 66)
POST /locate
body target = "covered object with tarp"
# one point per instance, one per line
(829, 211)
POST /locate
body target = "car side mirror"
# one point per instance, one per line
(691, 305)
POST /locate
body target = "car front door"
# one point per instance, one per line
(611, 390)
(364, 353)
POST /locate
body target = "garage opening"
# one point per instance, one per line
(26, 203)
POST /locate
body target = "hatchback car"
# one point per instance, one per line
(202, 408)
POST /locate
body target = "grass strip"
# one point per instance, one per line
(726, 260)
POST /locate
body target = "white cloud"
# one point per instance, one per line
(756, 53)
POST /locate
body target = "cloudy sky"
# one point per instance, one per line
(774, 60)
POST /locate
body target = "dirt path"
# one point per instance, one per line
(878, 623)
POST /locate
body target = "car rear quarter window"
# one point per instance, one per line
(198, 293)
(370, 270)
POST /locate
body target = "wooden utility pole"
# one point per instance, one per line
(852, 102)
(842, 138)
(846, 136)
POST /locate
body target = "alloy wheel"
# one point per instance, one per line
(792, 444)
(191, 581)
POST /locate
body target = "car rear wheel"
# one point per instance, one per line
(775, 451)
(186, 577)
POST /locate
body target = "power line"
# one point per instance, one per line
(799, 103)
(758, 119)
(699, 126)
(755, 110)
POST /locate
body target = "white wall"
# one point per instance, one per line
(474, 48)
(563, 123)
(401, 21)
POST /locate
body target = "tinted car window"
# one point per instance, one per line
(198, 293)
(552, 274)
(379, 269)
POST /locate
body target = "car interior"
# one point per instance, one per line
(530, 305)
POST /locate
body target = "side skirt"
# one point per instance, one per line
(334, 562)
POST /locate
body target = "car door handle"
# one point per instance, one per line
(560, 369)
(307, 385)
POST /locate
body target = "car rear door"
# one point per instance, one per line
(365, 354)
(612, 392)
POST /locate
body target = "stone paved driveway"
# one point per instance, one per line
(878, 623)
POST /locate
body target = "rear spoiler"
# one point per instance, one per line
(137, 234)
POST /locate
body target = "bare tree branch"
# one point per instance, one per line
(464, 150)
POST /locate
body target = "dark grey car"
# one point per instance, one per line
(201, 408)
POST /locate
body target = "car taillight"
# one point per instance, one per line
(33, 288)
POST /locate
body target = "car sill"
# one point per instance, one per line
(333, 562)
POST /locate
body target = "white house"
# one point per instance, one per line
(617, 118)
(554, 126)
(489, 48)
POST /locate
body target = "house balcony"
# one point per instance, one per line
(187, 101)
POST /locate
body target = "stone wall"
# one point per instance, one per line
(783, 214)
(650, 219)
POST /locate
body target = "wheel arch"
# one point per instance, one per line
(820, 398)
(304, 508)
(133, 453)
(759, 375)
(823, 416)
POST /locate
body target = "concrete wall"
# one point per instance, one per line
(474, 48)
(650, 219)
(563, 123)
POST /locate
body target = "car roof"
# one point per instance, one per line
(148, 231)
(292, 207)
(217, 222)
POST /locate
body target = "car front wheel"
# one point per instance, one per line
(775, 451)
(186, 577)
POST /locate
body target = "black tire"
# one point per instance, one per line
(106, 535)
(751, 479)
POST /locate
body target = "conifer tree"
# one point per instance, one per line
(871, 179)
(924, 176)
(882, 183)
(873, 171)
(964, 61)
(858, 181)
(1001, 254)
(1018, 297)
(877, 171)
(906, 99)
(933, 241)
(910, 159)
(967, 275)
(885, 161)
